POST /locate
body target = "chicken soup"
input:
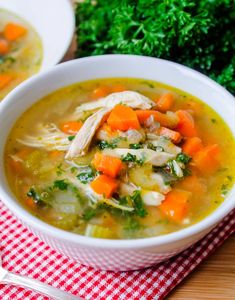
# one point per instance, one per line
(20, 51)
(120, 159)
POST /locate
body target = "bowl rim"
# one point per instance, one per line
(67, 41)
(38, 225)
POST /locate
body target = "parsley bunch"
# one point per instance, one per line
(196, 33)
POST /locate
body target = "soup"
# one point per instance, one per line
(20, 51)
(120, 158)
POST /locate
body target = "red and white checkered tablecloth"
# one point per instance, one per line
(25, 254)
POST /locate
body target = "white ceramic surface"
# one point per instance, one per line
(52, 19)
(114, 254)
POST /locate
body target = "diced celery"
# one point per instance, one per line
(98, 231)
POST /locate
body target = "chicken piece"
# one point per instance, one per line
(147, 155)
(152, 198)
(129, 98)
(84, 136)
(133, 136)
(160, 182)
(165, 143)
(126, 189)
(48, 137)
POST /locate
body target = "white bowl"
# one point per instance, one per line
(114, 254)
(52, 19)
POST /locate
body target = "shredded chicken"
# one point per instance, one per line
(160, 182)
(152, 198)
(97, 198)
(165, 143)
(84, 137)
(147, 155)
(129, 98)
(133, 136)
(82, 140)
(48, 137)
(126, 189)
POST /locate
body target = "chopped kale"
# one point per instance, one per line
(183, 158)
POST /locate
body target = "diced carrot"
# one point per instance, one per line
(14, 31)
(109, 165)
(192, 145)
(30, 203)
(116, 88)
(5, 79)
(175, 206)
(4, 46)
(175, 136)
(193, 184)
(100, 92)
(206, 159)
(166, 120)
(123, 118)
(104, 185)
(71, 127)
(186, 125)
(165, 102)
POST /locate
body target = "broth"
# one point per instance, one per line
(143, 174)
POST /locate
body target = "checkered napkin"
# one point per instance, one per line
(25, 254)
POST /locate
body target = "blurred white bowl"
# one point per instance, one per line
(52, 19)
(114, 254)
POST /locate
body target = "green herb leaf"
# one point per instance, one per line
(136, 146)
(87, 175)
(183, 158)
(132, 158)
(71, 137)
(104, 144)
(60, 184)
(138, 204)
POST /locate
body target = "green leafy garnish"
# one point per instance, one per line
(40, 198)
(196, 33)
(89, 213)
(60, 184)
(138, 204)
(131, 224)
(224, 189)
(104, 144)
(183, 158)
(59, 170)
(71, 137)
(132, 158)
(87, 175)
(136, 146)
